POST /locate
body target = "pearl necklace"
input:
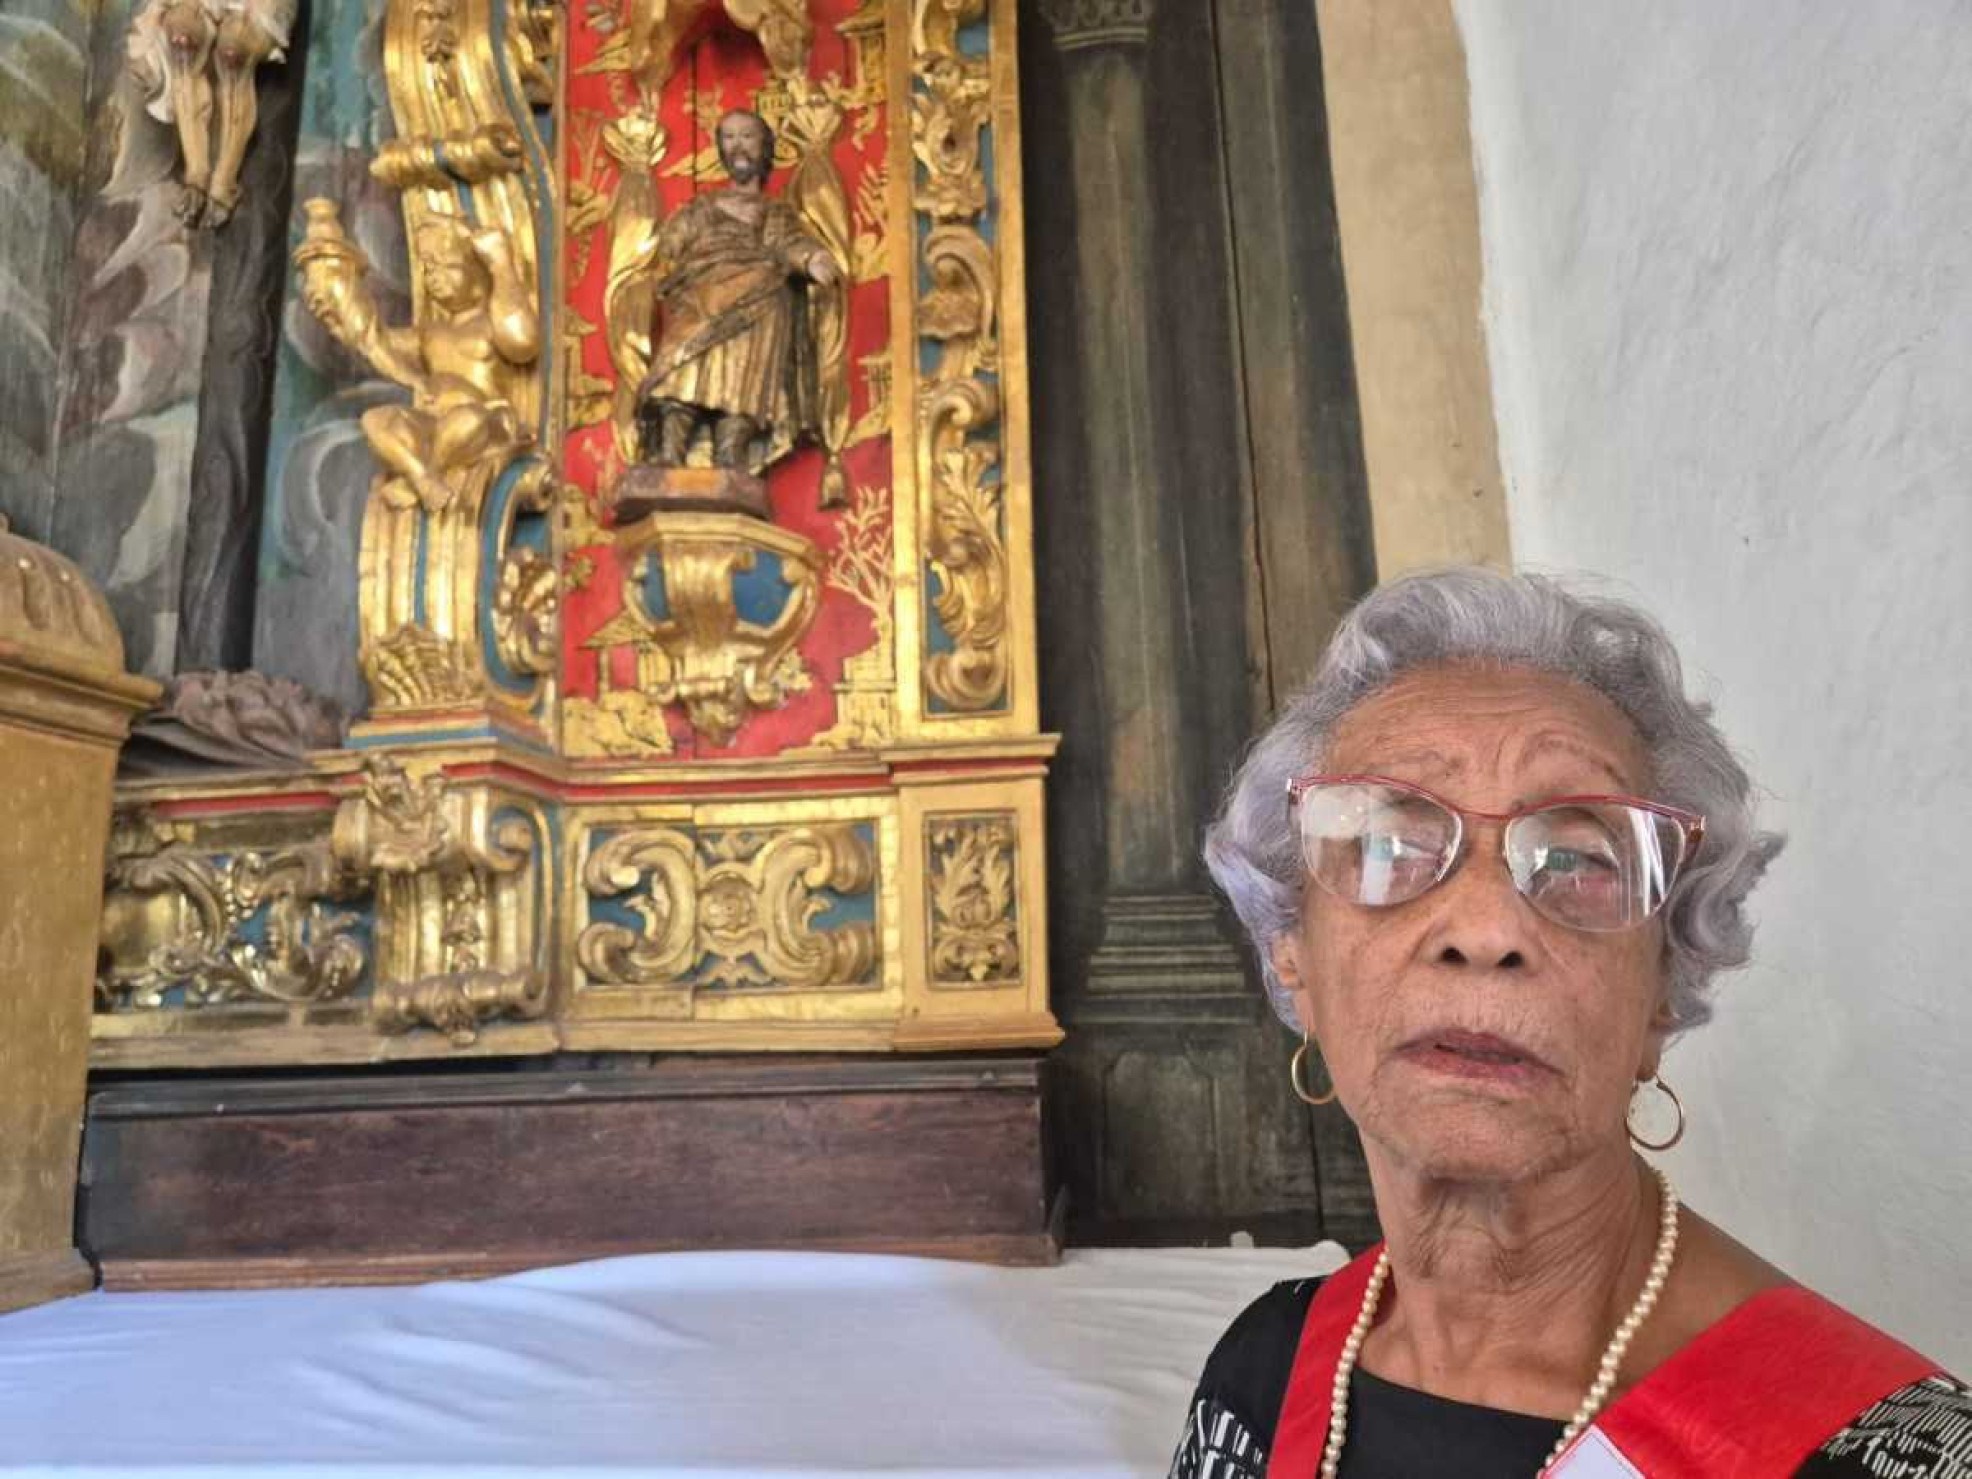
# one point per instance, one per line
(1605, 1372)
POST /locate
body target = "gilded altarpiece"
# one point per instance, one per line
(695, 597)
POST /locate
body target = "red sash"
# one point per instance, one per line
(1750, 1398)
(1301, 1432)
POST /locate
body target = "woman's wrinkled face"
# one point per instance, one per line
(1469, 1037)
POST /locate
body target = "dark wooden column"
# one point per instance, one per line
(1159, 496)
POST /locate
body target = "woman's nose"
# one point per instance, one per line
(1481, 921)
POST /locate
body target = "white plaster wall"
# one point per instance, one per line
(1728, 249)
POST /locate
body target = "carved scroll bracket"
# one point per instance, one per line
(700, 652)
(459, 901)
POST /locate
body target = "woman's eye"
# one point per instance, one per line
(1572, 860)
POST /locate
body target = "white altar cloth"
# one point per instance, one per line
(672, 1366)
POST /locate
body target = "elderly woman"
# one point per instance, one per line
(1491, 860)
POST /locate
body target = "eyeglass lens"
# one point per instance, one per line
(1590, 866)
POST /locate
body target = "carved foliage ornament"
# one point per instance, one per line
(959, 403)
(443, 876)
(524, 611)
(734, 908)
(975, 924)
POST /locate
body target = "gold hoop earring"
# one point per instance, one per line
(1296, 1075)
(1657, 1082)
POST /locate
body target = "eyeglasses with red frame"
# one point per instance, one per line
(1595, 863)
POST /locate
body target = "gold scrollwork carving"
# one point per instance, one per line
(437, 164)
(533, 42)
(958, 450)
(948, 121)
(935, 25)
(735, 908)
(664, 947)
(435, 23)
(975, 926)
(245, 926)
(399, 825)
(961, 305)
(965, 547)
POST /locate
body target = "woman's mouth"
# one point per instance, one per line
(1473, 1055)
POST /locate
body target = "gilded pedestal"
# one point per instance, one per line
(65, 705)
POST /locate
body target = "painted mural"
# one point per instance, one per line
(43, 141)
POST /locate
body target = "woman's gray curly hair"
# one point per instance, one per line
(1473, 615)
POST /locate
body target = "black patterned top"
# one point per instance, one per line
(1921, 1431)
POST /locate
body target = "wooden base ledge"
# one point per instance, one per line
(35, 1278)
(135, 1275)
(400, 1178)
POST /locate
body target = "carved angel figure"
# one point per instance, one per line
(477, 331)
(195, 62)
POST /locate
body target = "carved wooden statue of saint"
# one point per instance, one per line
(734, 377)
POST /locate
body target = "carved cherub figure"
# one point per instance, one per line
(479, 331)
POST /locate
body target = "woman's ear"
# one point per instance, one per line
(1662, 1021)
(1287, 969)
